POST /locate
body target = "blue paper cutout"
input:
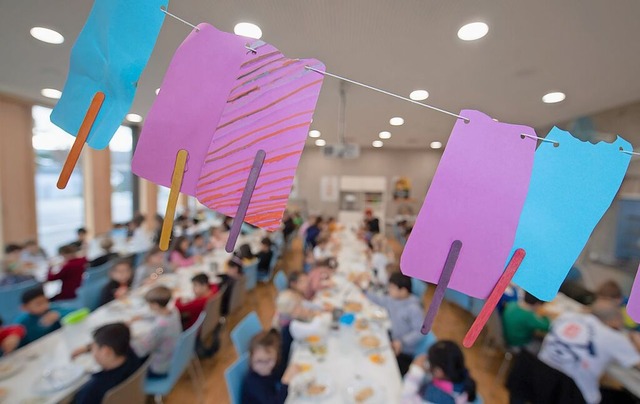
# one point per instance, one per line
(109, 55)
(571, 188)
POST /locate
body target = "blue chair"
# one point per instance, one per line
(10, 299)
(251, 276)
(99, 272)
(418, 288)
(280, 281)
(243, 332)
(425, 343)
(234, 375)
(181, 360)
(89, 293)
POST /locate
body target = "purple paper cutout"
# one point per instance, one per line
(476, 196)
(633, 305)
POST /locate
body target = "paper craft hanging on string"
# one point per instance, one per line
(106, 62)
(475, 199)
(633, 305)
(222, 102)
(572, 186)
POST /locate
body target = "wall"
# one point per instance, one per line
(419, 166)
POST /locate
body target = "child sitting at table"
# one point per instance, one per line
(180, 256)
(439, 377)
(229, 279)
(218, 238)
(322, 249)
(191, 309)
(522, 324)
(106, 247)
(320, 277)
(265, 382)
(406, 317)
(39, 317)
(14, 270)
(32, 253)
(610, 291)
(198, 246)
(245, 254)
(154, 265)
(264, 256)
(121, 277)
(290, 306)
(161, 341)
(111, 350)
(70, 273)
(10, 337)
(379, 260)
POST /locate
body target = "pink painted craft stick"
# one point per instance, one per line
(234, 232)
(441, 287)
(494, 298)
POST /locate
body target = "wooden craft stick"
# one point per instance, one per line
(170, 212)
(243, 206)
(494, 298)
(441, 287)
(81, 139)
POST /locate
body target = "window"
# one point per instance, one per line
(121, 146)
(59, 212)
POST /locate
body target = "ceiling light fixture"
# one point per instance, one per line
(51, 93)
(377, 143)
(553, 97)
(248, 29)
(473, 31)
(314, 133)
(47, 35)
(396, 121)
(384, 135)
(419, 95)
(134, 118)
(157, 91)
(320, 142)
(436, 145)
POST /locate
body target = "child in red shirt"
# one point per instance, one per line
(189, 311)
(10, 337)
(70, 274)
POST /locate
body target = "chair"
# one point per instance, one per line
(99, 272)
(280, 281)
(130, 391)
(495, 339)
(245, 330)
(89, 293)
(418, 288)
(238, 293)
(10, 299)
(251, 276)
(212, 320)
(264, 277)
(425, 343)
(234, 376)
(181, 360)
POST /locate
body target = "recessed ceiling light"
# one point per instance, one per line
(157, 91)
(385, 135)
(247, 29)
(552, 98)
(419, 95)
(314, 133)
(473, 31)
(320, 142)
(396, 121)
(135, 118)
(377, 143)
(51, 93)
(47, 35)
(435, 145)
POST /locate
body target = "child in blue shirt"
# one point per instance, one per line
(39, 318)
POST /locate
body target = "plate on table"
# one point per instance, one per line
(315, 387)
(364, 392)
(9, 368)
(58, 378)
(352, 307)
(369, 342)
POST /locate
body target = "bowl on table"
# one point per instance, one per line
(364, 392)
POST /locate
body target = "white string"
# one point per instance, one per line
(555, 142)
(632, 153)
(467, 120)
(164, 10)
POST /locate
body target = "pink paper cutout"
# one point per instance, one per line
(476, 196)
(188, 108)
(270, 108)
(633, 305)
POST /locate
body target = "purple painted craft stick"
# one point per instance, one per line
(441, 287)
(234, 232)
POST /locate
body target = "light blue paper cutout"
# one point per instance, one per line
(571, 188)
(109, 55)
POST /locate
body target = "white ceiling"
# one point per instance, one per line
(585, 48)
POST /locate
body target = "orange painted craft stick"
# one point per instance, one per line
(81, 139)
(170, 212)
(494, 298)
